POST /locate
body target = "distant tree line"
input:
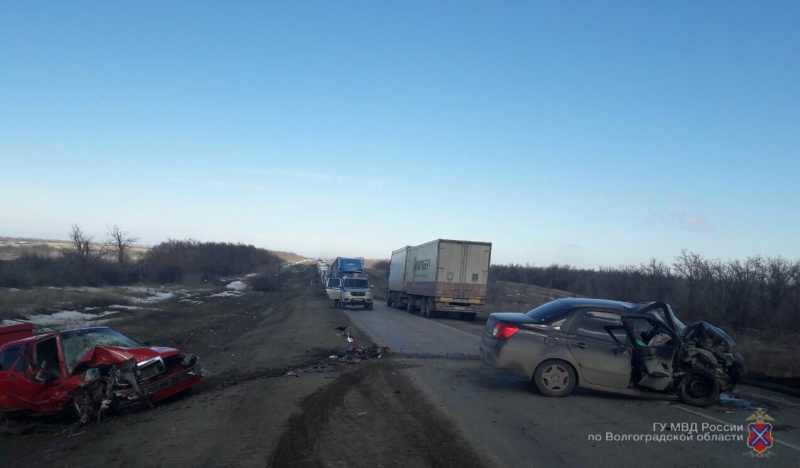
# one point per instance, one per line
(89, 263)
(759, 292)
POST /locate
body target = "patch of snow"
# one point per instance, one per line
(125, 307)
(237, 285)
(157, 296)
(67, 317)
(250, 275)
(227, 294)
(154, 295)
(191, 301)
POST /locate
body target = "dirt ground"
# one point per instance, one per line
(250, 412)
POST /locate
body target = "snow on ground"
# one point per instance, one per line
(124, 307)
(191, 301)
(250, 275)
(64, 317)
(227, 294)
(237, 285)
(154, 295)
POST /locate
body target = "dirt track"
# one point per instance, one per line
(249, 413)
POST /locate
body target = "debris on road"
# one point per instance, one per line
(354, 353)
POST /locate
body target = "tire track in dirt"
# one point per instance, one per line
(370, 417)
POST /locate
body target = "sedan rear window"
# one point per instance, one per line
(547, 312)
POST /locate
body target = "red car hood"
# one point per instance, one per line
(109, 355)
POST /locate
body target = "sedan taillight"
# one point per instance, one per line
(504, 330)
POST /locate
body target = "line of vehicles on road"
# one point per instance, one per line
(346, 282)
(441, 277)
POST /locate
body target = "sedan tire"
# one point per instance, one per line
(700, 388)
(554, 378)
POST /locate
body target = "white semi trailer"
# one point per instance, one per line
(440, 277)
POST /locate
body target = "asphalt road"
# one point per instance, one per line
(503, 417)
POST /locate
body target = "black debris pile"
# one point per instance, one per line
(355, 353)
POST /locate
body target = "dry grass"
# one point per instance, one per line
(775, 358)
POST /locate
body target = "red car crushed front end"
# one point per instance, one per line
(90, 371)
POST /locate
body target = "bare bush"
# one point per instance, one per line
(80, 248)
(120, 243)
(173, 260)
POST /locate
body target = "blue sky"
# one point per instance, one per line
(570, 132)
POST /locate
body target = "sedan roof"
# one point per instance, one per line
(622, 307)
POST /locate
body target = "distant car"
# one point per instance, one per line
(87, 370)
(334, 291)
(640, 350)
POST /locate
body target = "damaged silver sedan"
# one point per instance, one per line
(639, 350)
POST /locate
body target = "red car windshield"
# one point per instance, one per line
(75, 343)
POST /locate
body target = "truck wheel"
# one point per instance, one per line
(554, 378)
(342, 305)
(369, 307)
(430, 308)
(389, 299)
(412, 306)
(699, 388)
(467, 316)
(336, 303)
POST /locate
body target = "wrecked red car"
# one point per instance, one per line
(87, 370)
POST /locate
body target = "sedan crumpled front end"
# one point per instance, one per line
(708, 348)
(116, 378)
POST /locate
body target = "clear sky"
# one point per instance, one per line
(590, 133)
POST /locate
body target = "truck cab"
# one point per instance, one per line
(356, 290)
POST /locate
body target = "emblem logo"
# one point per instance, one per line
(760, 438)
